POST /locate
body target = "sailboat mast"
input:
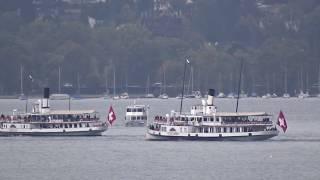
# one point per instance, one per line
(21, 79)
(285, 80)
(191, 79)
(78, 83)
(114, 82)
(301, 79)
(164, 80)
(106, 81)
(147, 85)
(59, 86)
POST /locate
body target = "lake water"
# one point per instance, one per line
(122, 152)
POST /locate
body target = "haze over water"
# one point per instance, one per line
(123, 153)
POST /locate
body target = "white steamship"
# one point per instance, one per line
(204, 122)
(43, 121)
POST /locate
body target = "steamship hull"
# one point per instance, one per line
(248, 136)
(46, 132)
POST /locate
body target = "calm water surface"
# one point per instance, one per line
(122, 152)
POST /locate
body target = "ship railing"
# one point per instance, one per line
(249, 122)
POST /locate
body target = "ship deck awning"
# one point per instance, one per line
(67, 112)
(237, 114)
(71, 112)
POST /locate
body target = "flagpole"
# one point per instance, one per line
(182, 90)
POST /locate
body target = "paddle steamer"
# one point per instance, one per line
(43, 121)
(204, 122)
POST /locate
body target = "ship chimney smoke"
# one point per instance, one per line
(211, 94)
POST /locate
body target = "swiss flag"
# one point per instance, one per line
(111, 116)
(282, 122)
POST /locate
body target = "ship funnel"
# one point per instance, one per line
(211, 94)
(45, 101)
(46, 93)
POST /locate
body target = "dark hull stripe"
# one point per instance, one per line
(232, 138)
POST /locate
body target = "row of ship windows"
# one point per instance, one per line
(64, 125)
(216, 130)
(49, 126)
(199, 119)
(135, 110)
(136, 118)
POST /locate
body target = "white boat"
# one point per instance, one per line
(197, 94)
(22, 97)
(286, 95)
(124, 95)
(43, 121)
(116, 97)
(301, 95)
(221, 95)
(163, 96)
(148, 94)
(205, 123)
(274, 95)
(266, 96)
(136, 115)
(231, 95)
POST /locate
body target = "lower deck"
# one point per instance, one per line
(250, 136)
(53, 129)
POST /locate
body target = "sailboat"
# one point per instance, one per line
(191, 92)
(267, 95)
(115, 97)
(231, 93)
(220, 94)
(106, 93)
(302, 94)
(59, 95)
(125, 95)
(148, 94)
(21, 96)
(163, 94)
(77, 96)
(274, 95)
(286, 94)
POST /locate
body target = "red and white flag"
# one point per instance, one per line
(282, 122)
(111, 116)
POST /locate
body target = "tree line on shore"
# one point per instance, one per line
(278, 40)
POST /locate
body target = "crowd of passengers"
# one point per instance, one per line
(42, 118)
(224, 119)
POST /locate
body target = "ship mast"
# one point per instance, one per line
(59, 86)
(21, 80)
(239, 85)
(184, 76)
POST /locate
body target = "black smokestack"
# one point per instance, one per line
(211, 92)
(46, 93)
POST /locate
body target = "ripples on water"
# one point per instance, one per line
(122, 152)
